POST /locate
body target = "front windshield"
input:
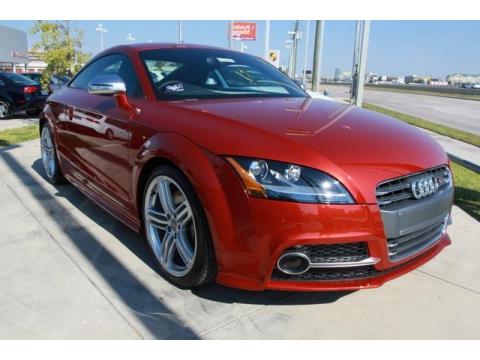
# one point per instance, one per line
(211, 73)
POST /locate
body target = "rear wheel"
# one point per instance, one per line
(49, 156)
(177, 229)
(5, 109)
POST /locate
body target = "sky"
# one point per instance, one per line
(396, 48)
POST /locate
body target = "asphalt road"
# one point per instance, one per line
(69, 270)
(456, 113)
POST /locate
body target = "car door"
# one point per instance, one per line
(97, 132)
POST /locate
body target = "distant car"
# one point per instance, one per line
(19, 93)
(56, 82)
(476, 86)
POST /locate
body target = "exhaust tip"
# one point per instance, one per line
(293, 263)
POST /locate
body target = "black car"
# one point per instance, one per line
(56, 82)
(19, 93)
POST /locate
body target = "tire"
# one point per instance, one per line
(49, 156)
(177, 229)
(5, 109)
(33, 112)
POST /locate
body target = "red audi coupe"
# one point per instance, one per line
(236, 174)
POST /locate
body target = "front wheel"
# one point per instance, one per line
(177, 229)
(49, 156)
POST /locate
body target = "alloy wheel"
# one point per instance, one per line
(170, 225)
(48, 152)
(4, 109)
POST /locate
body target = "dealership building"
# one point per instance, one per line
(14, 54)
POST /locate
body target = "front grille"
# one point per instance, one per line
(398, 190)
(333, 253)
(406, 245)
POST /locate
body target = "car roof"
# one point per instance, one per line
(154, 46)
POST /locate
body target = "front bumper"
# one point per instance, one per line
(266, 229)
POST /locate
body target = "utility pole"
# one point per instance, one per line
(358, 30)
(361, 64)
(267, 39)
(102, 30)
(296, 35)
(356, 51)
(305, 57)
(317, 55)
(180, 32)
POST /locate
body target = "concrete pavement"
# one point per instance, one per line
(466, 154)
(457, 113)
(70, 270)
(17, 121)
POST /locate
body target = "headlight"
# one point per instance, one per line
(283, 181)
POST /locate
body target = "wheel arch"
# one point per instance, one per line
(145, 172)
(196, 164)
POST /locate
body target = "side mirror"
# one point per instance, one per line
(112, 85)
(109, 84)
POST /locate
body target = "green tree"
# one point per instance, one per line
(60, 46)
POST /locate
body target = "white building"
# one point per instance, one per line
(460, 79)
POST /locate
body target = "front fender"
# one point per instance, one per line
(198, 166)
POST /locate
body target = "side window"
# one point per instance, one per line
(112, 64)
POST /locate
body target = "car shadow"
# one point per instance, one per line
(155, 316)
(137, 244)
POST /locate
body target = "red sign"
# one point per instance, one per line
(244, 31)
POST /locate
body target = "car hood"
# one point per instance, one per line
(355, 145)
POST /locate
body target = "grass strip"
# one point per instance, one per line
(18, 135)
(467, 189)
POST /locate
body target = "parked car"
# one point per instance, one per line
(56, 83)
(235, 173)
(19, 93)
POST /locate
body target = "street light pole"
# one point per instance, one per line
(290, 57)
(306, 55)
(293, 55)
(267, 39)
(180, 31)
(356, 51)
(362, 62)
(102, 30)
(230, 35)
(317, 55)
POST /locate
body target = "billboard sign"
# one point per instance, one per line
(274, 57)
(245, 31)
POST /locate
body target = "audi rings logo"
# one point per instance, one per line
(425, 186)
